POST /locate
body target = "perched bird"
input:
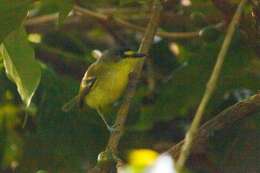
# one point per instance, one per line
(105, 80)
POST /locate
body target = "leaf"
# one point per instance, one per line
(12, 14)
(20, 64)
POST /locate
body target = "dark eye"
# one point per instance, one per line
(128, 53)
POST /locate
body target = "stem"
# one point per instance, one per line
(123, 23)
(144, 48)
(124, 109)
(211, 86)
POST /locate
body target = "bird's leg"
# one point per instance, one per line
(110, 128)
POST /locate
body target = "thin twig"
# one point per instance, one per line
(211, 86)
(128, 25)
(41, 19)
(223, 120)
(124, 109)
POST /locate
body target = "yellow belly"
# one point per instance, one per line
(109, 86)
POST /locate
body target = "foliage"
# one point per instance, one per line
(17, 57)
(12, 14)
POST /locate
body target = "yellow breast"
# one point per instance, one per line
(110, 85)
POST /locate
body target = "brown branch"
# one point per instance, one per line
(211, 86)
(46, 23)
(123, 23)
(41, 19)
(144, 47)
(124, 109)
(223, 120)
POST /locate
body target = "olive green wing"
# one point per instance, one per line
(79, 99)
(85, 86)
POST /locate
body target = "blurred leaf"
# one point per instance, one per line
(12, 14)
(10, 140)
(20, 64)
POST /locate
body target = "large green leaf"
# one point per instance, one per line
(20, 64)
(12, 14)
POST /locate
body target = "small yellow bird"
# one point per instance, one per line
(105, 80)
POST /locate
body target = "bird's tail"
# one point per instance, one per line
(70, 104)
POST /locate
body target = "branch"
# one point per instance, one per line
(211, 86)
(223, 120)
(124, 109)
(123, 23)
(144, 48)
(41, 19)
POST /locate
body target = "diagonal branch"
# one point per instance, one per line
(144, 48)
(130, 92)
(223, 120)
(211, 86)
(125, 24)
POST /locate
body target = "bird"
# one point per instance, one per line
(105, 80)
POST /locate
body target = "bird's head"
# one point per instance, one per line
(116, 54)
(132, 54)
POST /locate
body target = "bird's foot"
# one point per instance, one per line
(107, 156)
(113, 128)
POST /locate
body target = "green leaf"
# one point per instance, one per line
(12, 14)
(20, 64)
